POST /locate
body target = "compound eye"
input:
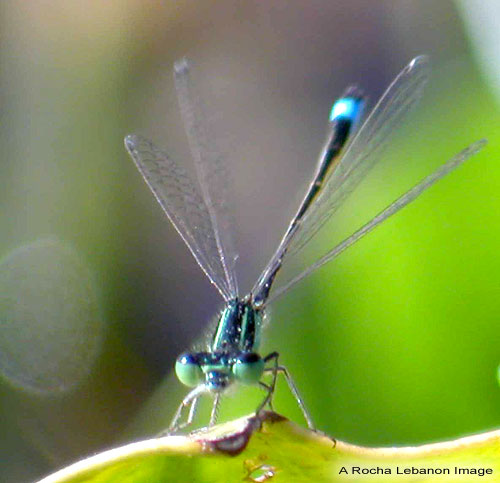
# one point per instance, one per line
(188, 370)
(248, 368)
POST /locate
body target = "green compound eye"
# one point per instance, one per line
(188, 370)
(248, 368)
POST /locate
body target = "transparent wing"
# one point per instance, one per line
(366, 148)
(183, 205)
(213, 173)
(394, 207)
(361, 154)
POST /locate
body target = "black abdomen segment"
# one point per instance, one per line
(344, 115)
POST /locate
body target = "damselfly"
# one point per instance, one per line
(201, 218)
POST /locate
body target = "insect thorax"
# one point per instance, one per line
(238, 329)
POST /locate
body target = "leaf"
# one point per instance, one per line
(271, 448)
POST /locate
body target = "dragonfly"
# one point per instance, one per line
(200, 214)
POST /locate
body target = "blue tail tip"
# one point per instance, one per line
(348, 107)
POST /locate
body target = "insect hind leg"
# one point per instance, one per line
(280, 369)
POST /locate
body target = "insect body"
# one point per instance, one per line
(201, 219)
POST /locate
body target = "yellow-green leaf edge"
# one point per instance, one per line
(271, 448)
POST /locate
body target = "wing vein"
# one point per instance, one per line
(393, 208)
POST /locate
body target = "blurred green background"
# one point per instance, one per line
(396, 342)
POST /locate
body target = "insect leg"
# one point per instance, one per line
(191, 398)
(270, 389)
(215, 411)
(293, 388)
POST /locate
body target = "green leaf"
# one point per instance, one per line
(271, 448)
